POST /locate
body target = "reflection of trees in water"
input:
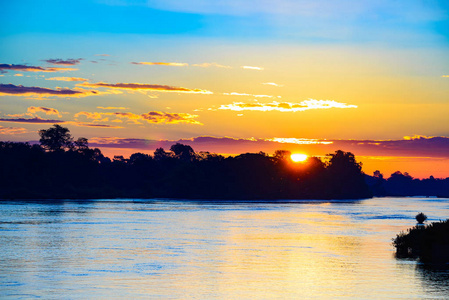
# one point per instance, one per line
(435, 278)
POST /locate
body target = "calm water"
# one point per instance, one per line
(183, 250)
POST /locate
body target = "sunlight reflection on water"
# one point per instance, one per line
(187, 249)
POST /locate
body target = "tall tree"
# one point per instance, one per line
(56, 138)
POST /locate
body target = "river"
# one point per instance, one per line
(133, 248)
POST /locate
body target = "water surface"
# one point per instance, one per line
(185, 249)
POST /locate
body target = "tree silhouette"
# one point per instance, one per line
(421, 218)
(183, 152)
(81, 144)
(56, 138)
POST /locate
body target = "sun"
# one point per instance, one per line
(298, 157)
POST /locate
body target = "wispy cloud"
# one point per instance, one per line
(286, 106)
(252, 68)
(90, 115)
(436, 147)
(272, 84)
(64, 62)
(24, 68)
(12, 130)
(67, 79)
(155, 117)
(94, 125)
(45, 110)
(299, 141)
(36, 120)
(158, 117)
(445, 76)
(146, 87)
(178, 64)
(20, 90)
(171, 64)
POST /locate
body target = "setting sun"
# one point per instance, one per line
(298, 157)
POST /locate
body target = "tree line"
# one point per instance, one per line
(61, 167)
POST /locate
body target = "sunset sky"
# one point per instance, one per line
(370, 77)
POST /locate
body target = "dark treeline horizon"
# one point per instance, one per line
(60, 167)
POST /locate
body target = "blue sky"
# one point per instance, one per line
(323, 20)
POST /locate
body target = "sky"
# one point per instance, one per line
(229, 77)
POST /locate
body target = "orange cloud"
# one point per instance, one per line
(175, 64)
(24, 68)
(155, 117)
(299, 141)
(45, 110)
(146, 87)
(95, 125)
(170, 118)
(286, 106)
(35, 120)
(20, 90)
(172, 64)
(67, 79)
(89, 115)
(12, 130)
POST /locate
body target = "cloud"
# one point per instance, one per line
(66, 62)
(146, 87)
(89, 115)
(94, 125)
(112, 107)
(24, 68)
(155, 117)
(45, 110)
(431, 147)
(176, 64)
(272, 84)
(12, 130)
(158, 117)
(19, 90)
(252, 68)
(67, 79)
(172, 64)
(415, 146)
(36, 120)
(18, 75)
(286, 106)
(102, 55)
(445, 76)
(299, 141)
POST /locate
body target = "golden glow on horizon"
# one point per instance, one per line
(298, 157)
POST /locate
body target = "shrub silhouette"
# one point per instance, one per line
(421, 218)
(429, 243)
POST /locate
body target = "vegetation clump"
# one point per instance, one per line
(421, 218)
(428, 243)
(63, 168)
